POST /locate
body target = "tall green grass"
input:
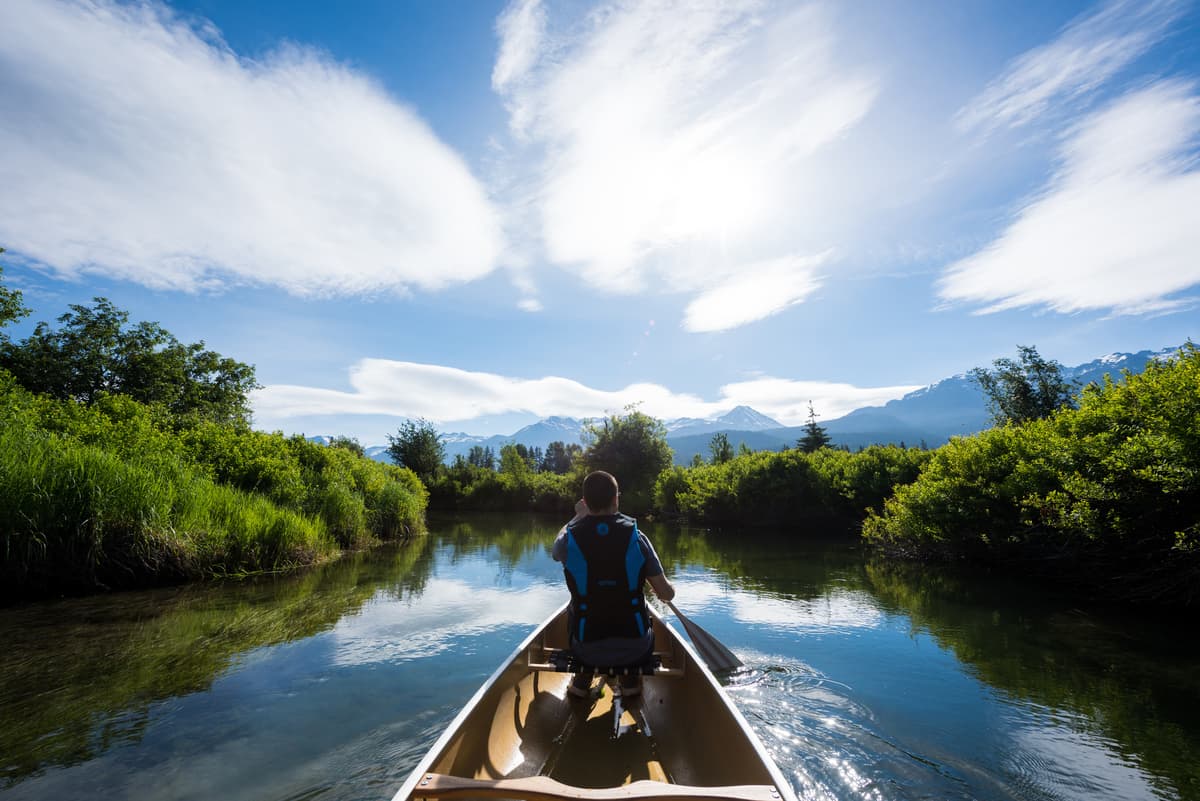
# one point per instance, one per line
(74, 517)
(120, 494)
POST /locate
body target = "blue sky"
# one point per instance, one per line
(482, 213)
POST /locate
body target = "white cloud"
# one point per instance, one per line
(758, 291)
(449, 610)
(521, 28)
(1091, 49)
(1117, 228)
(444, 394)
(787, 400)
(139, 146)
(674, 141)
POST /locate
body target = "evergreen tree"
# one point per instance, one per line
(720, 448)
(815, 437)
(1029, 388)
(560, 457)
(479, 456)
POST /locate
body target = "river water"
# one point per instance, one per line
(865, 680)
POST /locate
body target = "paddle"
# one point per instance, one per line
(718, 658)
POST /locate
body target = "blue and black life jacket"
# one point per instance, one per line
(605, 570)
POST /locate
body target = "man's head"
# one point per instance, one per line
(600, 492)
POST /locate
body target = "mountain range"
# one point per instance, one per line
(928, 416)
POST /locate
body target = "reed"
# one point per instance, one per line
(75, 517)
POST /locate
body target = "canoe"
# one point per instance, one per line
(523, 736)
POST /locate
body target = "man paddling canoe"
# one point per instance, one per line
(607, 561)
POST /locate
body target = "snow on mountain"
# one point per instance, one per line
(739, 418)
(931, 415)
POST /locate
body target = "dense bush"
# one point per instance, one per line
(1107, 493)
(120, 493)
(768, 488)
(75, 517)
(466, 487)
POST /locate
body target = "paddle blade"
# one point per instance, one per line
(718, 658)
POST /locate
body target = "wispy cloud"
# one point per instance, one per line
(1091, 49)
(446, 394)
(138, 145)
(521, 28)
(670, 139)
(1117, 227)
(759, 291)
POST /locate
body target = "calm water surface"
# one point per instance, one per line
(865, 681)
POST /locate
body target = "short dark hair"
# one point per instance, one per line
(599, 490)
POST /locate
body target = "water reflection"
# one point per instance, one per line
(81, 676)
(865, 680)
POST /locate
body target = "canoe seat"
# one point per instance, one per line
(563, 661)
(543, 788)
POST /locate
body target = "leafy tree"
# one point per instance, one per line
(514, 460)
(720, 448)
(632, 447)
(1029, 388)
(744, 449)
(815, 437)
(11, 305)
(418, 446)
(560, 457)
(348, 443)
(479, 456)
(95, 352)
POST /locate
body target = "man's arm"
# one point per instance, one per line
(581, 511)
(661, 586)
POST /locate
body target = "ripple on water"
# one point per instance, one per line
(826, 741)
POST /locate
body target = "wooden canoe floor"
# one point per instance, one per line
(592, 752)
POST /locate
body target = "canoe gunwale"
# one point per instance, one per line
(425, 782)
(543, 788)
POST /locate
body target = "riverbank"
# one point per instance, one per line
(1101, 498)
(118, 494)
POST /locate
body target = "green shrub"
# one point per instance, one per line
(768, 488)
(74, 517)
(119, 493)
(1105, 494)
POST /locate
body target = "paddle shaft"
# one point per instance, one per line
(711, 650)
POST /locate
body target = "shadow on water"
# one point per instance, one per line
(1130, 680)
(80, 675)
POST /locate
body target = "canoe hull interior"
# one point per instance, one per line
(523, 723)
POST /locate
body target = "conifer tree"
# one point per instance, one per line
(815, 437)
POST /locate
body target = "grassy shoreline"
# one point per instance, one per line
(118, 495)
